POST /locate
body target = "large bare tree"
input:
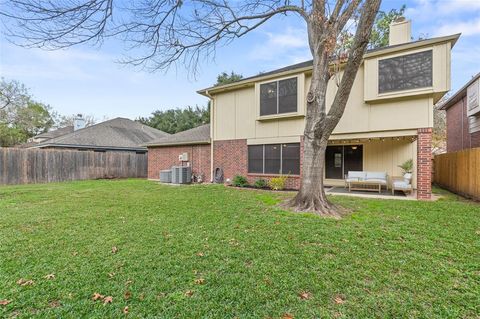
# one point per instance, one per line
(166, 33)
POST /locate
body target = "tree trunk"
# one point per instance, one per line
(311, 196)
(322, 37)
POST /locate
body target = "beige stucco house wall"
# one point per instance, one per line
(385, 124)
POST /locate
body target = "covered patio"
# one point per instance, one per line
(375, 153)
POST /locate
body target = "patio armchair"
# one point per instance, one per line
(402, 183)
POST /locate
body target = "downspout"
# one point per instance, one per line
(212, 118)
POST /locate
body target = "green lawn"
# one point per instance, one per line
(215, 252)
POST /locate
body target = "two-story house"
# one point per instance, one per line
(257, 123)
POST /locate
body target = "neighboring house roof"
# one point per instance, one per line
(458, 95)
(307, 65)
(55, 133)
(197, 135)
(116, 134)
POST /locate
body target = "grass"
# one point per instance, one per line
(388, 259)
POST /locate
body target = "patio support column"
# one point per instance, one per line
(424, 163)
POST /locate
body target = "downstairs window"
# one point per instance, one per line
(274, 159)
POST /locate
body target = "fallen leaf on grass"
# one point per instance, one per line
(127, 295)
(107, 299)
(200, 254)
(75, 253)
(96, 296)
(54, 304)
(125, 310)
(339, 300)
(128, 282)
(188, 293)
(200, 281)
(111, 274)
(304, 295)
(25, 282)
(277, 223)
(4, 302)
(50, 276)
(287, 316)
(114, 249)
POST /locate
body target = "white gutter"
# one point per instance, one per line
(212, 118)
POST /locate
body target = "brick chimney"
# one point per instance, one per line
(400, 31)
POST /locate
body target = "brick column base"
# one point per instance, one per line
(424, 164)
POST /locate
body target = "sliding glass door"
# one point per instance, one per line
(339, 159)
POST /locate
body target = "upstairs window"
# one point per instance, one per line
(274, 159)
(407, 72)
(278, 97)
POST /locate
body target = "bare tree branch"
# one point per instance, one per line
(158, 33)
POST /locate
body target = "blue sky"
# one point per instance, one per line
(88, 79)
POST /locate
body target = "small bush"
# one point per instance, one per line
(278, 183)
(260, 183)
(240, 181)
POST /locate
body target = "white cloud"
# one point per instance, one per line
(467, 28)
(290, 46)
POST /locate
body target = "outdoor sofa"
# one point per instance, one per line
(366, 181)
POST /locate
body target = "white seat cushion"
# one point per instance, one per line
(377, 176)
(356, 176)
(401, 185)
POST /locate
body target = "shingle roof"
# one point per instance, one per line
(458, 95)
(118, 133)
(197, 135)
(56, 133)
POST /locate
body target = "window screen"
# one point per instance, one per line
(268, 98)
(274, 159)
(291, 158)
(287, 95)
(255, 158)
(278, 97)
(406, 72)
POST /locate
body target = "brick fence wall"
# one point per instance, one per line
(160, 158)
(424, 163)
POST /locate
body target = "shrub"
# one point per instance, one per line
(278, 183)
(260, 183)
(239, 181)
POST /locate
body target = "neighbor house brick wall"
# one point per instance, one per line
(424, 163)
(160, 158)
(458, 135)
(232, 157)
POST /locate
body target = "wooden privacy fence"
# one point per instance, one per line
(23, 166)
(459, 172)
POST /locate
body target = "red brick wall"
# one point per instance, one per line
(458, 136)
(457, 127)
(232, 157)
(160, 158)
(424, 163)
